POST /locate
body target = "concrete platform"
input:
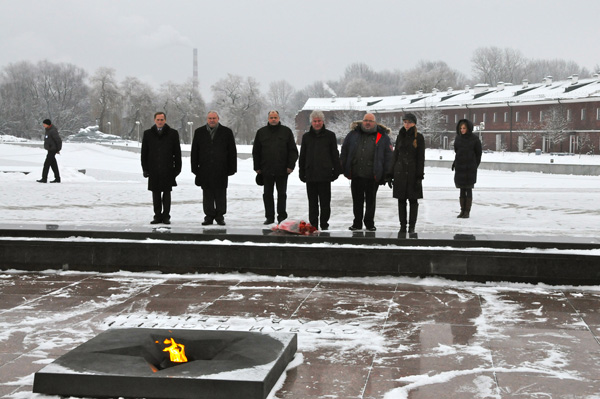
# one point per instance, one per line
(357, 338)
(166, 249)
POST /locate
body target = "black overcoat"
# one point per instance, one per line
(161, 158)
(52, 140)
(319, 156)
(274, 150)
(213, 160)
(409, 164)
(468, 156)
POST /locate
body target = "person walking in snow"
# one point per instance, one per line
(161, 164)
(367, 160)
(214, 159)
(318, 166)
(52, 144)
(409, 167)
(274, 154)
(467, 148)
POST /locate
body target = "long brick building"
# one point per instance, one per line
(561, 116)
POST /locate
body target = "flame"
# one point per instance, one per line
(176, 351)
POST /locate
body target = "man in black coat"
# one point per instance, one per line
(274, 154)
(318, 166)
(52, 144)
(161, 163)
(367, 160)
(214, 158)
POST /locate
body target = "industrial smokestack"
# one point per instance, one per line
(195, 72)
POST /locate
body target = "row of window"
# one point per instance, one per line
(518, 116)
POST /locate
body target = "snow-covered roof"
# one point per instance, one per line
(481, 94)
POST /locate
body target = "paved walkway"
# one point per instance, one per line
(358, 338)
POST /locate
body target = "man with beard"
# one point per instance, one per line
(366, 159)
(161, 163)
(214, 158)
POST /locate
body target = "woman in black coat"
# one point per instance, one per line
(409, 167)
(467, 147)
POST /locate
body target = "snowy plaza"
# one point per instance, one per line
(369, 337)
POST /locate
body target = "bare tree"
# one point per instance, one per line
(428, 75)
(183, 103)
(492, 65)
(557, 68)
(431, 125)
(240, 103)
(555, 124)
(281, 97)
(340, 123)
(137, 104)
(585, 144)
(104, 96)
(31, 93)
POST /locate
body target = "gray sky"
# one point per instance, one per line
(300, 41)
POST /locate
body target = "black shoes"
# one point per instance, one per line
(269, 221)
(221, 222)
(207, 222)
(55, 181)
(372, 228)
(156, 221)
(354, 228)
(42, 181)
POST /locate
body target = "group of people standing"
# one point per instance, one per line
(367, 158)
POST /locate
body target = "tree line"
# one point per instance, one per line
(65, 93)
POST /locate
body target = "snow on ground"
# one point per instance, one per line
(112, 192)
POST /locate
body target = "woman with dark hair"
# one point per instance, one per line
(409, 170)
(467, 148)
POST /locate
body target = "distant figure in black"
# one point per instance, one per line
(161, 163)
(409, 167)
(318, 166)
(214, 159)
(52, 144)
(467, 147)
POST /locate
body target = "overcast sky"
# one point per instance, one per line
(300, 41)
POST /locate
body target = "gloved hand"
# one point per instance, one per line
(453, 165)
(146, 174)
(390, 182)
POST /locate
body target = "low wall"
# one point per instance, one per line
(457, 258)
(551, 168)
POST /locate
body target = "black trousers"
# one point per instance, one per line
(270, 183)
(214, 203)
(364, 194)
(50, 162)
(162, 204)
(319, 193)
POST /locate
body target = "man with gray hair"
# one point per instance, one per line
(318, 166)
(367, 160)
(274, 153)
(214, 159)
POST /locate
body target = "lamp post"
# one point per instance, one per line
(191, 124)
(138, 131)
